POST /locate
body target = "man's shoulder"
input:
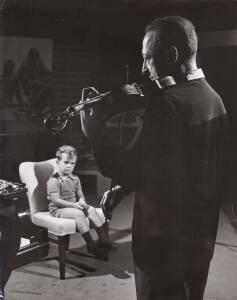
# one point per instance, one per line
(196, 100)
(190, 89)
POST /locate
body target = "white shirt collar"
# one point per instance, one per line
(170, 80)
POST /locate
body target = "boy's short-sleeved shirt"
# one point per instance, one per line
(66, 187)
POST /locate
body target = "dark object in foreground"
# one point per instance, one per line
(15, 224)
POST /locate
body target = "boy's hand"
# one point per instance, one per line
(79, 206)
(83, 204)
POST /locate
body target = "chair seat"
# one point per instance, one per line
(57, 226)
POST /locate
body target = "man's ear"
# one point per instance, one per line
(172, 55)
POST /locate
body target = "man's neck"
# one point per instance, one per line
(187, 67)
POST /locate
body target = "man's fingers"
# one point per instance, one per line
(102, 201)
(105, 199)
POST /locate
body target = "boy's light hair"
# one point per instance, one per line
(69, 150)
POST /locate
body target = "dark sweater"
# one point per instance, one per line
(174, 169)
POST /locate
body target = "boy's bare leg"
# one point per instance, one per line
(83, 227)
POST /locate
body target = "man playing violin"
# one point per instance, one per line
(174, 169)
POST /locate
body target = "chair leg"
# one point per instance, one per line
(62, 244)
(67, 237)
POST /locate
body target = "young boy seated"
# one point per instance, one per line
(66, 200)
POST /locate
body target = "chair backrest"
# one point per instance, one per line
(35, 175)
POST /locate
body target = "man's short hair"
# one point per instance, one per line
(69, 150)
(176, 31)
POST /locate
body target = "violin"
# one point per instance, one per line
(129, 97)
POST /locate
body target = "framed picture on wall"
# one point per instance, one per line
(25, 77)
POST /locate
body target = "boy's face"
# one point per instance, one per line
(66, 164)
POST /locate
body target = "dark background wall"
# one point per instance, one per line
(93, 44)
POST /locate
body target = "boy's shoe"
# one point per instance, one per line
(107, 245)
(100, 253)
